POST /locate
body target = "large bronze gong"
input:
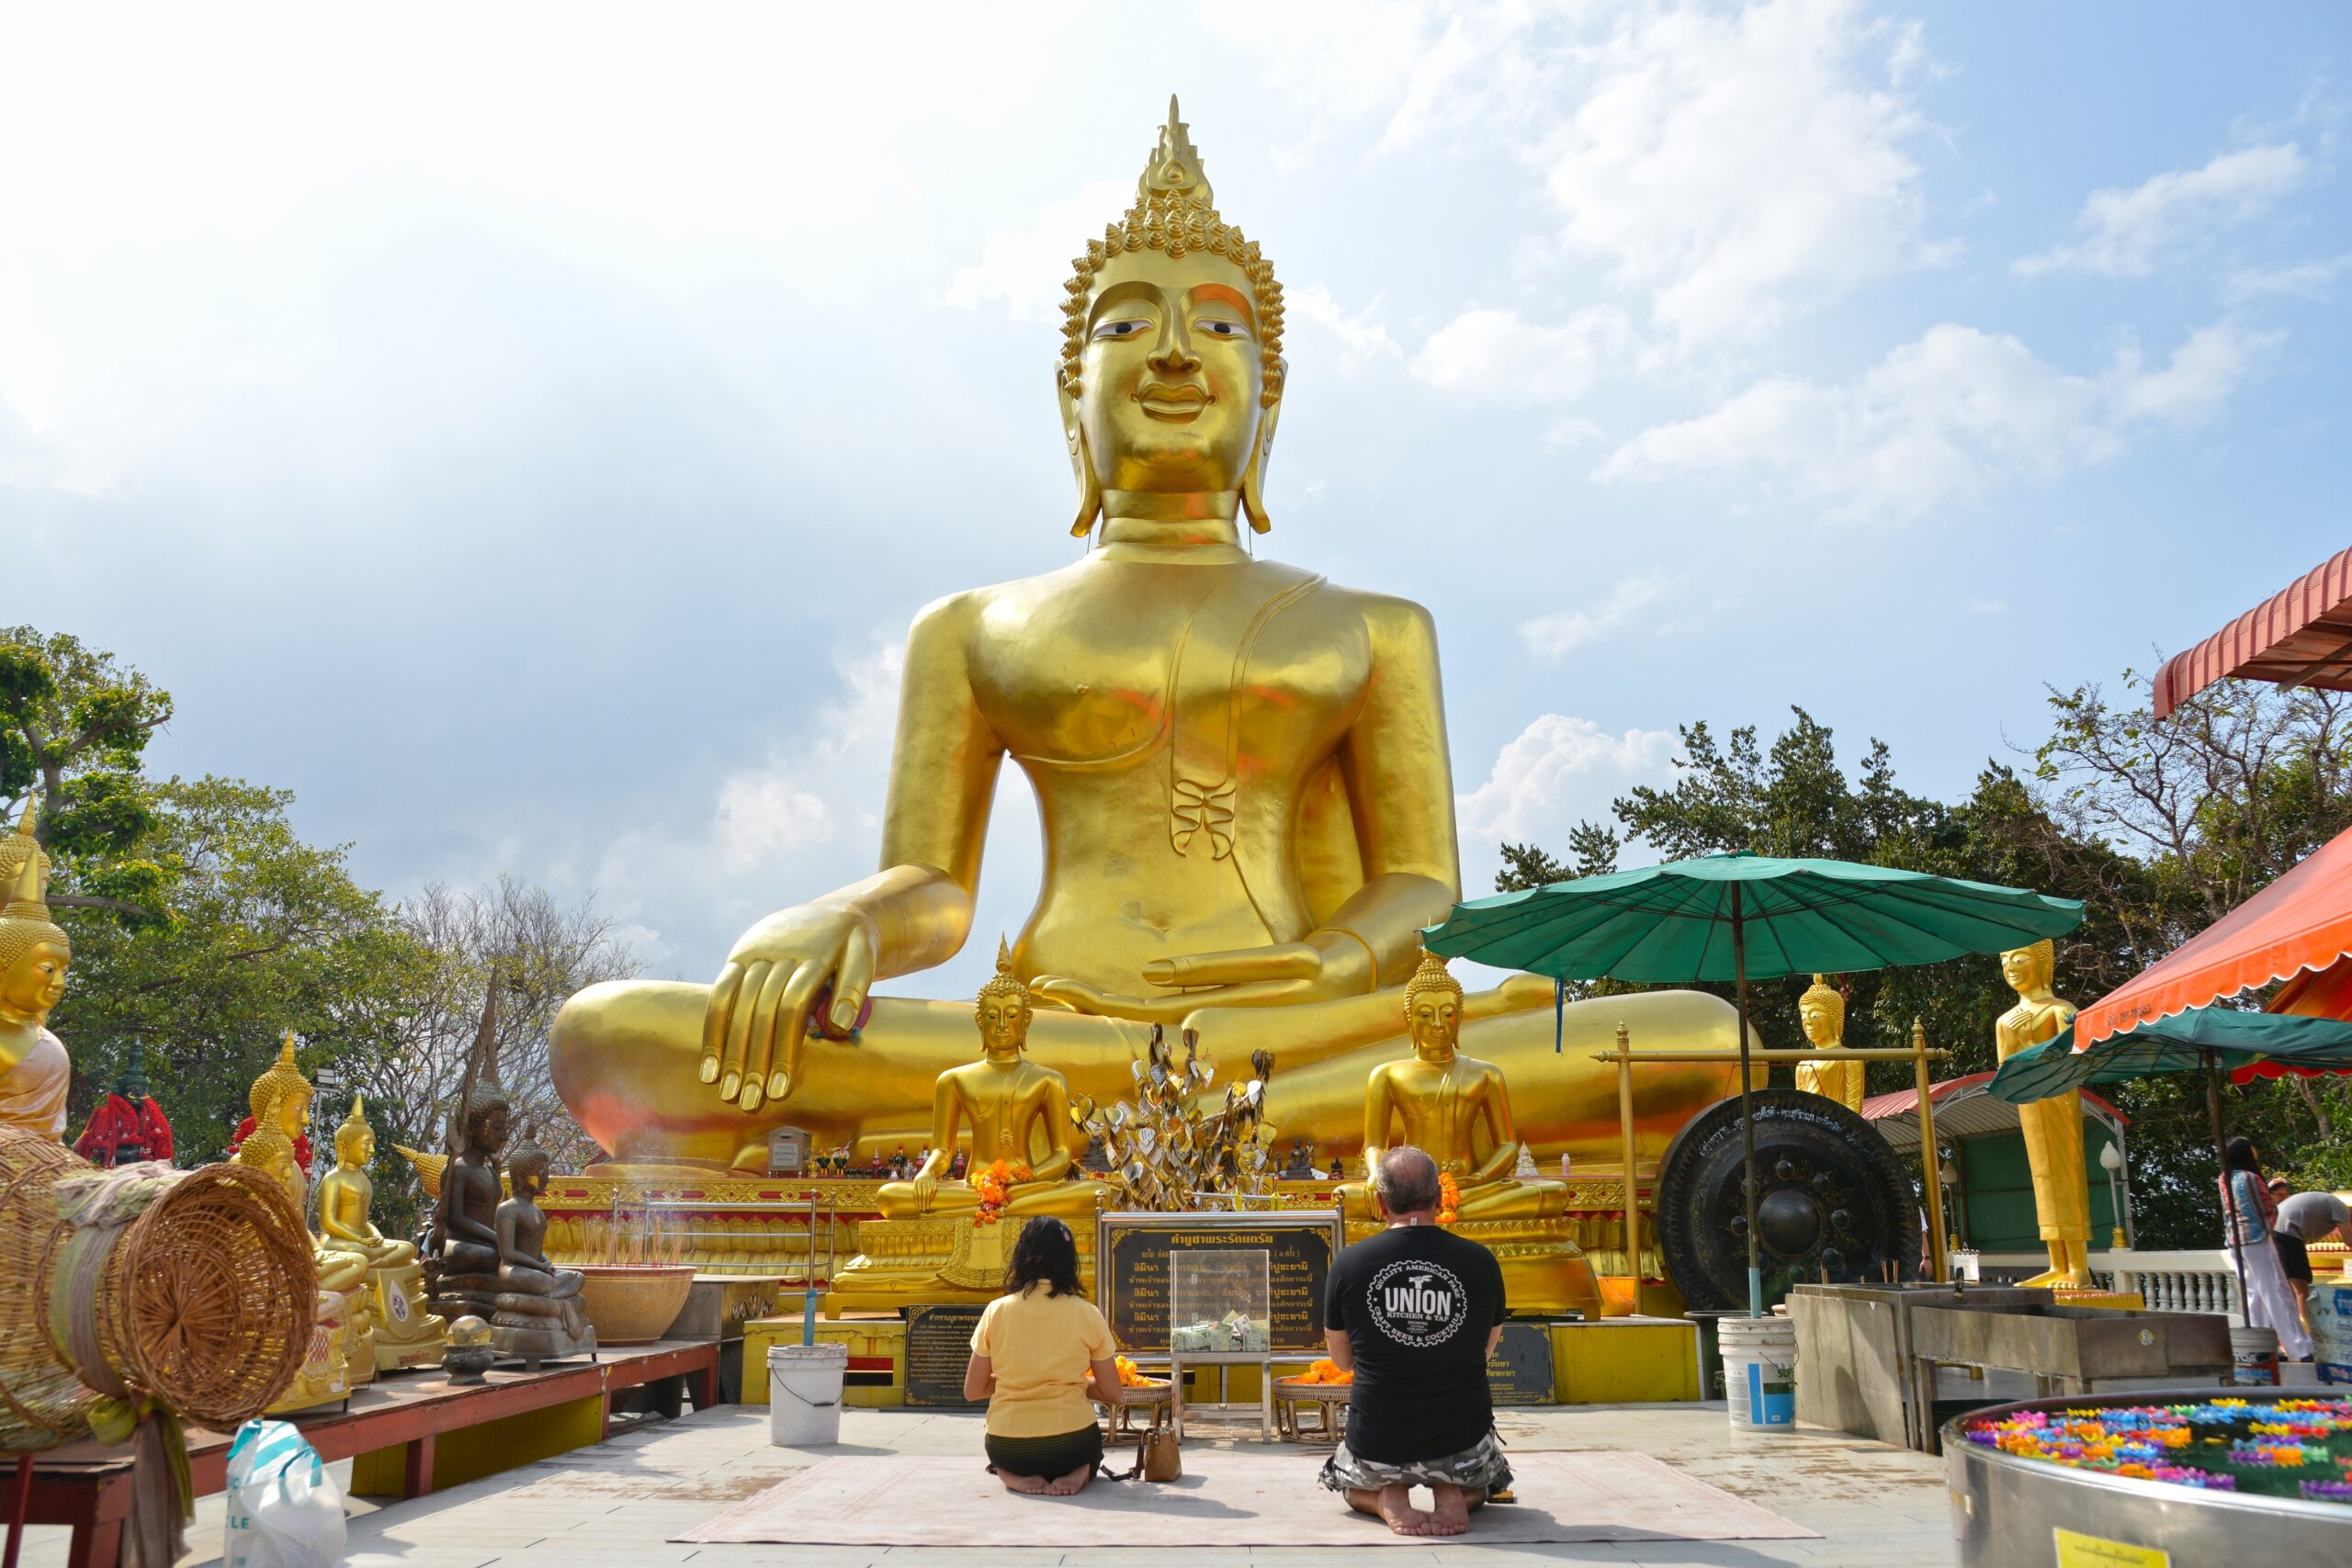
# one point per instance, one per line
(1833, 1200)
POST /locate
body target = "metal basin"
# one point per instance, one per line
(2004, 1507)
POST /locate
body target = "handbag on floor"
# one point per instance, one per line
(1157, 1456)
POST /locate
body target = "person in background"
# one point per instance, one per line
(2249, 1218)
(1414, 1313)
(2304, 1218)
(1032, 1355)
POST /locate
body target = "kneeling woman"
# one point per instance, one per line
(1031, 1356)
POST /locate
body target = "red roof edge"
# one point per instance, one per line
(2325, 590)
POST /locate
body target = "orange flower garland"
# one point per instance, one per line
(1449, 1199)
(1323, 1371)
(995, 1187)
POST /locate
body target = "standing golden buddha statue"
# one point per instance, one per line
(35, 1073)
(406, 1333)
(1013, 1110)
(1457, 1109)
(1821, 1013)
(1241, 775)
(2052, 1127)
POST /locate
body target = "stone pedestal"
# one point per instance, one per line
(534, 1340)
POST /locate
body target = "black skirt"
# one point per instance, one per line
(2293, 1256)
(1049, 1458)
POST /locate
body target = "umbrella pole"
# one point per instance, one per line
(2229, 1193)
(1747, 1122)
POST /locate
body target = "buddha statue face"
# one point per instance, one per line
(1821, 1013)
(355, 1146)
(1172, 374)
(294, 1114)
(1004, 1026)
(35, 983)
(2028, 969)
(527, 1172)
(1435, 1018)
(486, 1130)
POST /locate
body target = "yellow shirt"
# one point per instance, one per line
(1039, 1346)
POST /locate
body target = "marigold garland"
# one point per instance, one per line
(1323, 1371)
(995, 1187)
(1449, 1199)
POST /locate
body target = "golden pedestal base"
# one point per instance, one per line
(325, 1376)
(930, 1261)
(1545, 1271)
(406, 1335)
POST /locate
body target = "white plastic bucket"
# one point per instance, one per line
(805, 1393)
(2256, 1353)
(1759, 1371)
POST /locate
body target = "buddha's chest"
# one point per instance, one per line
(1106, 668)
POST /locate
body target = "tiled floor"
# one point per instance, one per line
(617, 1503)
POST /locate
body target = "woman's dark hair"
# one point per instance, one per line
(2238, 1155)
(1045, 1251)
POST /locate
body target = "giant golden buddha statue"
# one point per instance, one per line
(1242, 780)
(2052, 1127)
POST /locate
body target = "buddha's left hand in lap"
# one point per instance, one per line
(1325, 966)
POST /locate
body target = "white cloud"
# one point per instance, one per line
(1023, 267)
(1360, 337)
(1562, 632)
(1940, 420)
(2302, 280)
(1558, 771)
(1729, 167)
(1495, 355)
(2124, 230)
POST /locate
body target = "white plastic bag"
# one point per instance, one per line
(285, 1510)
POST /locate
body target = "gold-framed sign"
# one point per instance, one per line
(1132, 1272)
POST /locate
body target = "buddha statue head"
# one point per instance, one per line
(2028, 969)
(1171, 376)
(1434, 1008)
(1821, 1013)
(285, 1087)
(482, 1119)
(1003, 1011)
(526, 1167)
(268, 1150)
(355, 1141)
(34, 953)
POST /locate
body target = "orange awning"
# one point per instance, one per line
(2302, 637)
(2301, 922)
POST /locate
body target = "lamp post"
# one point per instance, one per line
(2110, 1156)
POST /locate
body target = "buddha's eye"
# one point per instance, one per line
(1127, 327)
(1218, 328)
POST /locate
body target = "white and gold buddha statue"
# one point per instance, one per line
(35, 1074)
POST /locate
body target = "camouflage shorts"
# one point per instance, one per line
(1481, 1465)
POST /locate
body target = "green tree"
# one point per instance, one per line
(74, 724)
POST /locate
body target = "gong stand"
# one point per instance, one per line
(1917, 1054)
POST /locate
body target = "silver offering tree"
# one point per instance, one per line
(1173, 1149)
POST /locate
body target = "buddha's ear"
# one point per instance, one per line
(1253, 477)
(1089, 488)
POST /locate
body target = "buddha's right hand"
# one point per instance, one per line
(758, 1015)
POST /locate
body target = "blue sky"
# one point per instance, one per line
(528, 434)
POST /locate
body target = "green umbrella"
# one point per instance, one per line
(1728, 917)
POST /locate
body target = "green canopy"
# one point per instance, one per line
(2233, 1039)
(1673, 924)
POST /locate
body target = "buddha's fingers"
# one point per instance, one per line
(714, 1020)
(792, 1026)
(739, 1027)
(762, 1028)
(852, 979)
(1236, 966)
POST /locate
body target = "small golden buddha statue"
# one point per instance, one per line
(332, 1372)
(1454, 1107)
(1241, 775)
(2052, 1127)
(406, 1333)
(283, 1083)
(1821, 1013)
(1016, 1110)
(35, 1073)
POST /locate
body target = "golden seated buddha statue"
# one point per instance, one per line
(343, 1349)
(1242, 780)
(1457, 1109)
(1821, 1013)
(406, 1333)
(938, 1239)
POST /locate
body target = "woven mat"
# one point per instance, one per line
(1228, 1497)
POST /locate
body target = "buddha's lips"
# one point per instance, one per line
(1173, 403)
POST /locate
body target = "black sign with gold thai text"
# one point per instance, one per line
(1131, 1271)
(939, 1347)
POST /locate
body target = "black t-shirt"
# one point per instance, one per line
(1417, 1302)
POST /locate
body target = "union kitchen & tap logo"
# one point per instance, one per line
(1416, 1304)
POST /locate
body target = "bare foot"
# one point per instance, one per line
(1071, 1485)
(1028, 1485)
(1451, 1514)
(1396, 1507)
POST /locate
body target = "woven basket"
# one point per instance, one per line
(203, 1304)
